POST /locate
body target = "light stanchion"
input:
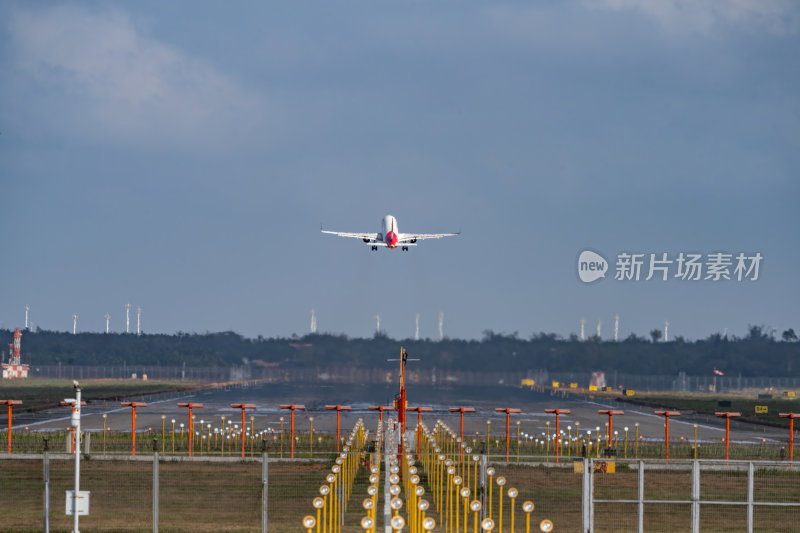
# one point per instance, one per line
(666, 415)
(791, 416)
(190, 406)
(163, 431)
(105, 417)
(293, 407)
(457, 480)
(557, 412)
(545, 526)
(318, 503)
(610, 429)
(527, 508)
(10, 404)
(501, 481)
(488, 442)
(487, 524)
(626, 441)
(507, 411)
(311, 436)
(423, 506)
(695, 441)
(243, 406)
(636, 425)
(324, 490)
(281, 419)
(465, 493)
(309, 522)
(133, 406)
(512, 495)
(490, 473)
(338, 409)
(727, 415)
(547, 451)
(597, 436)
(475, 507)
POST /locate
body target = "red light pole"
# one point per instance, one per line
(462, 410)
(133, 406)
(419, 411)
(9, 403)
(381, 409)
(242, 406)
(508, 411)
(728, 415)
(191, 406)
(72, 404)
(557, 412)
(666, 415)
(790, 416)
(610, 413)
(338, 409)
(293, 407)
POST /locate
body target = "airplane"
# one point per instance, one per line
(389, 237)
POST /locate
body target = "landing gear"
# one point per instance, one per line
(374, 248)
(405, 248)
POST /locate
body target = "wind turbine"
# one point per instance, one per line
(127, 318)
(138, 320)
(108, 319)
(313, 322)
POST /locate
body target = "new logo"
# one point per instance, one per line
(591, 266)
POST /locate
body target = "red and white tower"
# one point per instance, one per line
(14, 368)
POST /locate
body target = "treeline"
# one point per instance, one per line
(756, 354)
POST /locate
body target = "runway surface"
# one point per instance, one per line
(268, 397)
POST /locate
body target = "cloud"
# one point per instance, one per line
(122, 84)
(774, 16)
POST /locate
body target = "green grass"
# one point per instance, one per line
(37, 394)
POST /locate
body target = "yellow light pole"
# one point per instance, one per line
(597, 449)
(569, 441)
(512, 494)
(325, 490)
(308, 523)
(589, 440)
(163, 424)
(545, 526)
(695, 441)
(488, 442)
(518, 440)
(501, 481)
(636, 425)
(252, 433)
(181, 434)
(487, 524)
(528, 508)
(318, 503)
(548, 439)
(311, 437)
(105, 416)
(465, 492)
(490, 473)
(577, 435)
(173, 436)
(475, 506)
(626, 442)
(281, 419)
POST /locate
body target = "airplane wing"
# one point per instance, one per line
(363, 236)
(413, 237)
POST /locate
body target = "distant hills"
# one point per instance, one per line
(757, 354)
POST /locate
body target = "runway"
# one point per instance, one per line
(268, 397)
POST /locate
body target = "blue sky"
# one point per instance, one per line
(181, 157)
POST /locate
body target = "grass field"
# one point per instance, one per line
(226, 496)
(37, 394)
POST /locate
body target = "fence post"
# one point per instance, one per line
(641, 497)
(264, 491)
(46, 465)
(591, 494)
(695, 496)
(750, 472)
(155, 486)
(586, 500)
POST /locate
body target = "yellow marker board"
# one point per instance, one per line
(762, 409)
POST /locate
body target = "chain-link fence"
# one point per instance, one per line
(266, 493)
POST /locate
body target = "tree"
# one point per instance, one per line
(655, 335)
(789, 335)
